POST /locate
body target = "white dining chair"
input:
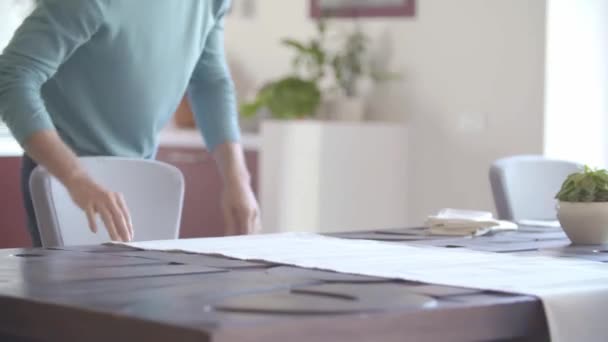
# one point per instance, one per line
(153, 192)
(524, 187)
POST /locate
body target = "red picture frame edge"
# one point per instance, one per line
(406, 10)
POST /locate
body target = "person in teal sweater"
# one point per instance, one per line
(102, 78)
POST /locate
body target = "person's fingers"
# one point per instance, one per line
(90, 211)
(229, 220)
(120, 222)
(251, 222)
(258, 226)
(126, 214)
(257, 222)
(106, 217)
(242, 220)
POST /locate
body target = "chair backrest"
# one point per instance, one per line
(153, 191)
(524, 187)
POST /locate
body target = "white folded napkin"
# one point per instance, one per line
(465, 222)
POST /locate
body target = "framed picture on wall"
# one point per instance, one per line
(362, 8)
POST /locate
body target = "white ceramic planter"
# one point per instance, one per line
(584, 223)
(349, 109)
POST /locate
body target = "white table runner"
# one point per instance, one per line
(574, 292)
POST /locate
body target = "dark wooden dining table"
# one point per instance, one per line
(116, 293)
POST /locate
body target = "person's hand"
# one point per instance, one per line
(48, 149)
(240, 209)
(111, 206)
(239, 206)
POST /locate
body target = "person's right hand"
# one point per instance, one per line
(111, 206)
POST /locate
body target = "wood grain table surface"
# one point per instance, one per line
(111, 293)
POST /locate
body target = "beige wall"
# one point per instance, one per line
(576, 117)
(472, 92)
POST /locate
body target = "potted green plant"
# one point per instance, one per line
(354, 71)
(583, 206)
(349, 68)
(322, 75)
(297, 95)
(287, 98)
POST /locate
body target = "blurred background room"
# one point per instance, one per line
(361, 115)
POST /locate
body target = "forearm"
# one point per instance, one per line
(48, 150)
(231, 164)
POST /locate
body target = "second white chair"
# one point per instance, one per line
(524, 186)
(153, 191)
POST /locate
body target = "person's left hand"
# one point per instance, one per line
(240, 209)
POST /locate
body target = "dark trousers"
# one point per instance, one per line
(27, 166)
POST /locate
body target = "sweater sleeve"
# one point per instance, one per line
(45, 40)
(211, 91)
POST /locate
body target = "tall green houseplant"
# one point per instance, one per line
(297, 95)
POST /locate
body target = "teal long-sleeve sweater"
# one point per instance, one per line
(109, 74)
